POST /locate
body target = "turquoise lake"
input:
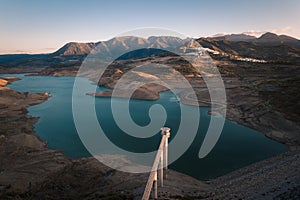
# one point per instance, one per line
(238, 145)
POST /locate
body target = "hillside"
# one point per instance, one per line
(271, 39)
(117, 45)
(235, 37)
(260, 95)
(75, 48)
(269, 47)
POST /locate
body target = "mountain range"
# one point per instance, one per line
(269, 47)
(167, 42)
(119, 44)
(269, 39)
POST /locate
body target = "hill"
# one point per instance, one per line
(75, 48)
(271, 39)
(269, 47)
(117, 45)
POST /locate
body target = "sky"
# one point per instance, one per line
(42, 26)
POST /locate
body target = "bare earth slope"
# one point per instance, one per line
(31, 171)
(263, 96)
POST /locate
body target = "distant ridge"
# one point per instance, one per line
(115, 45)
(269, 47)
(266, 39)
(236, 37)
(119, 44)
(75, 48)
(273, 39)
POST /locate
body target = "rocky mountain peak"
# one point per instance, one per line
(75, 48)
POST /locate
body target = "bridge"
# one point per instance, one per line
(160, 165)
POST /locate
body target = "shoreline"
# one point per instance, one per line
(250, 88)
(30, 169)
(232, 113)
(152, 93)
(60, 163)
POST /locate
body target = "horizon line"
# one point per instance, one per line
(54, 49)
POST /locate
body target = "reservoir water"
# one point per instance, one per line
(238, 145)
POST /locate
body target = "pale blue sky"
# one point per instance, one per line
(45, 25)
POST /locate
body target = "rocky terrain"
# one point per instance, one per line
(260, 95)
(72, 54)
(269, 47)
(29, 170)
(274, 178)
(147, 92)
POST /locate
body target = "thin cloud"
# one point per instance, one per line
(288, 30)
(255, 33)
(285, 30)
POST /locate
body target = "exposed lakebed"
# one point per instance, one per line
(238, 145)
